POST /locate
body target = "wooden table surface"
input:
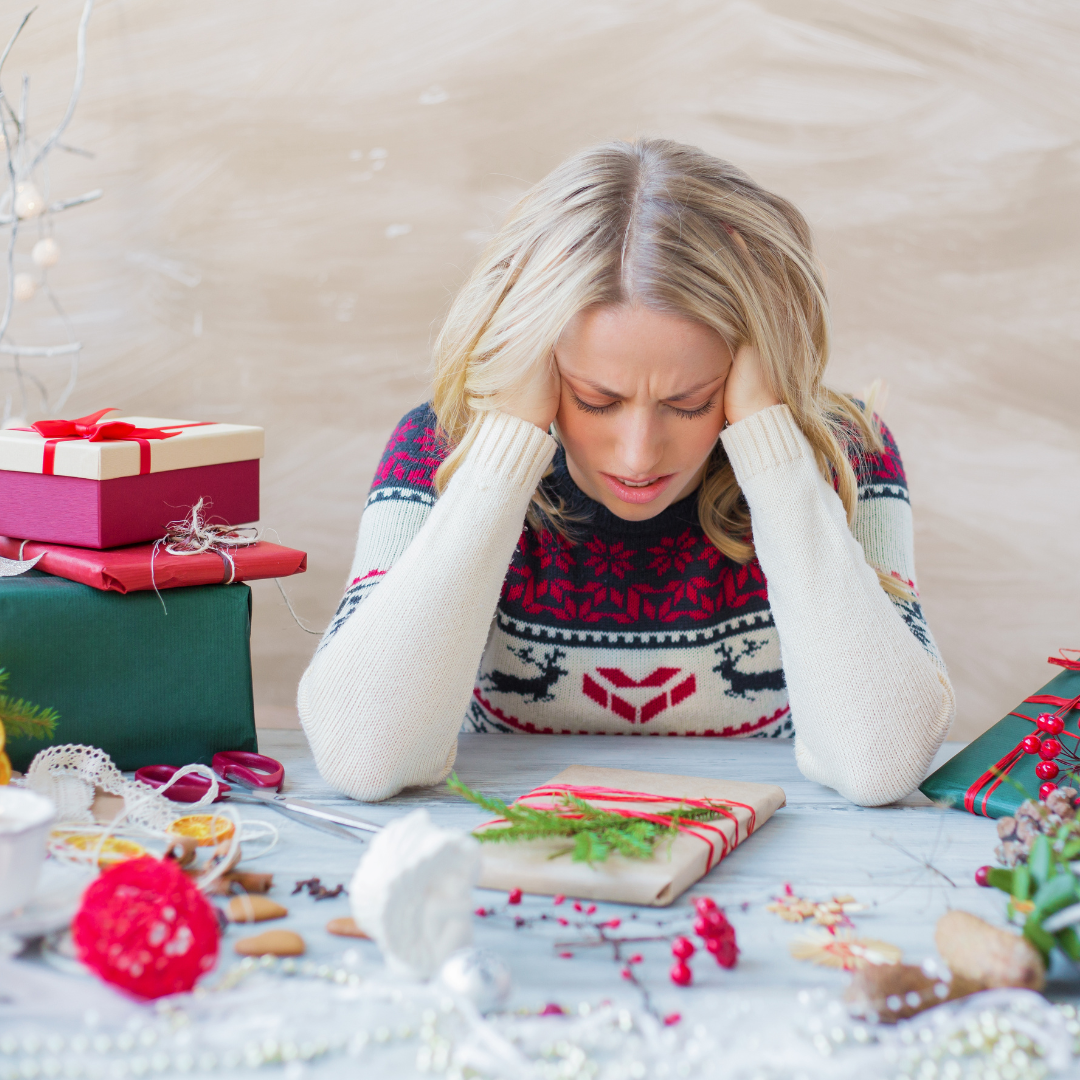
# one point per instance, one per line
(910, 862)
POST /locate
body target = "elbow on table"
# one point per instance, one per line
(366, 760)
(877, 770)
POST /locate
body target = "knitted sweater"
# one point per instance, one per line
(458, 618)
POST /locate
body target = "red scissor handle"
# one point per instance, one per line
(189, 788)
(255, 769)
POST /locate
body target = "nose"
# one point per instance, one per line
(640, 443)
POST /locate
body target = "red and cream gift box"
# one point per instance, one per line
(107, 483)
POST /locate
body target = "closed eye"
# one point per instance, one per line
(689, 414)
(594, 410)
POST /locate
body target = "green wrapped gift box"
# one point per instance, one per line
(148, 687)
(983, 777)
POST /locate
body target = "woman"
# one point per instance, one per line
(629, 438)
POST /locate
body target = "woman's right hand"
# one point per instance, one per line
(537, 400)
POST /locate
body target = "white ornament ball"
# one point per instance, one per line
(29, 202)
(24, 286)
(479, 975)
(46, 252)
(412, 892)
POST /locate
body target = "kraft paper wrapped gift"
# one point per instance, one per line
(131, 569)
(675, 864)
(146, 686)
(100, 483)
(993, 775)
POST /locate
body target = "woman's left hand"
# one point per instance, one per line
(747, 389)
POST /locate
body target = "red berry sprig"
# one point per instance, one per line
(1047, 745)
(713, 928)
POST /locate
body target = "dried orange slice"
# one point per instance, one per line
(5, 765)
(207, 830)
(113, 849)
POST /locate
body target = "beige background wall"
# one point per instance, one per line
(253, 261)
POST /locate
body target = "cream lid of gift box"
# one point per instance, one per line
(203, 444)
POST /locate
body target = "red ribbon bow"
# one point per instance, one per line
(1000, 769)
(90, 429)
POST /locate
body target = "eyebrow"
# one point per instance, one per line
(682, 396)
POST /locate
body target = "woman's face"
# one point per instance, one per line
(642, 405)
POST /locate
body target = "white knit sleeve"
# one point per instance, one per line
(871, 704)
(383, 699)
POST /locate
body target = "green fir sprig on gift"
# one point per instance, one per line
(21, 719)
(595, 833)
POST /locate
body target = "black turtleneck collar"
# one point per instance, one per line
(597, 518)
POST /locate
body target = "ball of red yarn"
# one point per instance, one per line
(144, 927)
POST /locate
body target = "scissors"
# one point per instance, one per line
(260, 779)
(251, 770)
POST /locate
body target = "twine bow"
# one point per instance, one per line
(1000, 769)
(195, 535)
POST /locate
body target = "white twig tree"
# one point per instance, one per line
(26, 206)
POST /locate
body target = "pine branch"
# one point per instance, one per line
(595, 833)
(21, 719)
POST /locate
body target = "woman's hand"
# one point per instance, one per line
(747, 389)
(537, 401)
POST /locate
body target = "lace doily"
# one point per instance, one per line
(70, 775)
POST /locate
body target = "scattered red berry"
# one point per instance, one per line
(590, 910)
(680, 973)
(557, 900)
(672, 1018)
(982, 876)
(683, 948)
(1031, 744)
(704, 904)
(563, 922)
(1048, 789)
(551, 1009)
(566, 956)
(481, 912)
(514, 896)
(637, 958)
(1049, 749)
(1046, 770)
(577, 905)
(626, 973)
(1051, 724)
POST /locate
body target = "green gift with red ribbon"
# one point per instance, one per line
(1024, 755)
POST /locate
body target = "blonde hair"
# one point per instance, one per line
(669, 227)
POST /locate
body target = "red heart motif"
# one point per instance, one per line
(621, 707)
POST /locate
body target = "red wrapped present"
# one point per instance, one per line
(132, 569)
(105, 483)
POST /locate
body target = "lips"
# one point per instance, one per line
(637, 491)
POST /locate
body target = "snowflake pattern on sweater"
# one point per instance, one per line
(639, 628)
